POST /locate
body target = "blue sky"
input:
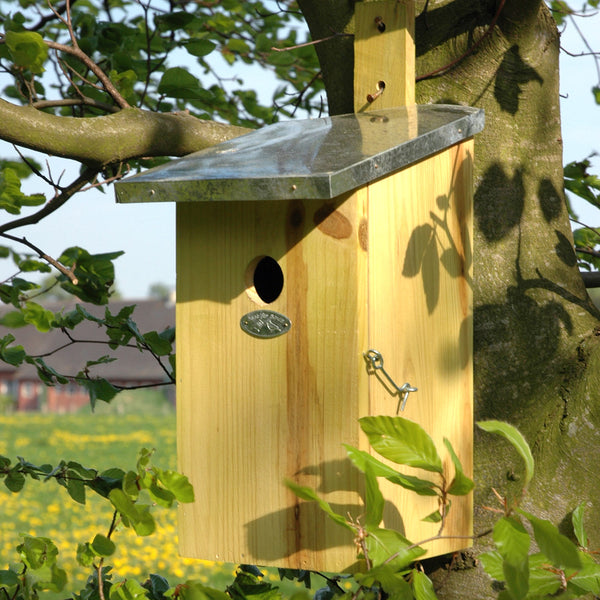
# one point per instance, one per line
(146, 232)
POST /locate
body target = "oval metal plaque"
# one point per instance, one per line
(265, 323)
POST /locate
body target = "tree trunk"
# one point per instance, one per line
(536, 331)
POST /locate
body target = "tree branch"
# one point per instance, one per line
(52, 205)
(97, 141)
(39, 104)
(64, 270)
(93, 67)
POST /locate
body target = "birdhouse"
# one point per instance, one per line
(310, 254)
(323, 274)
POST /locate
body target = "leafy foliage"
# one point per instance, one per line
(387, 554)
(38, 569)
(579, 181)
(93, 58)
(136, 47)
(560, 567)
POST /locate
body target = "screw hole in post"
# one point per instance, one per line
(264, 280)
(380, 88)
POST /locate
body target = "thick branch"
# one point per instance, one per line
(130, 133)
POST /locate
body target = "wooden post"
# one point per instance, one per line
(384, 51)
(419, 224)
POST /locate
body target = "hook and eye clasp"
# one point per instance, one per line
(375, 362)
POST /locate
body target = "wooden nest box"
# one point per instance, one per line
(301, 247)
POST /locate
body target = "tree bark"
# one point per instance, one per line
(127, 134)
(535, 330)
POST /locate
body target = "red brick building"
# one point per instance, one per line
(21, 389)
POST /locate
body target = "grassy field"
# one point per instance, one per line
(99, 440)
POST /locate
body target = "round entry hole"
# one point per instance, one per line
(265, 278)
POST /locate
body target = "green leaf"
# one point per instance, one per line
(11, 196)
(543, 583)
(103, 360)
(461, 484)
(125, 82)
(578, 526)
(45, 372)
(38, 316)
(382, 544)
(422, 586)
(143, 460)
(129, 589)
(361, 459)
(160, 495)
(75, 487)
(102, 546)
(402, 441)
(99, 389)
(27, 49)
(492, 564)
(238, 46)
(157, 344)
(13, 355)
(137, 515)
(8, 578)
(49, 578)
(560, 9)
(180, 83)
(131, 485)
(85, 555)
(177, 484)
(588, 578)
(157, 585)
(200, 47)
(14, 480)
(306, 493)
(515, 437)
(172, 21)
(373, 500)
(194, 590)
(596, 93)
(516, 577)
(13, 319)
(511, 539)
(395, 586)
(434, 517)
(37, 552)
(513, 543)
(560, 550)
(95, 274)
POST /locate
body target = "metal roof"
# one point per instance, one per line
(313, 158)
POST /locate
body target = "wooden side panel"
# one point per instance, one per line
(387, 55)
(420, 319)
(252, 412)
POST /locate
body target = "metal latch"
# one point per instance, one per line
(375, 362)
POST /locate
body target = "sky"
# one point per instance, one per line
(146, 232)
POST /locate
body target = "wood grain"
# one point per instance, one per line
(386, 267)
(253, 412)
(387, 56)
(420, 320)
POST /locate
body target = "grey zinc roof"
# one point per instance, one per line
(313, 158)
